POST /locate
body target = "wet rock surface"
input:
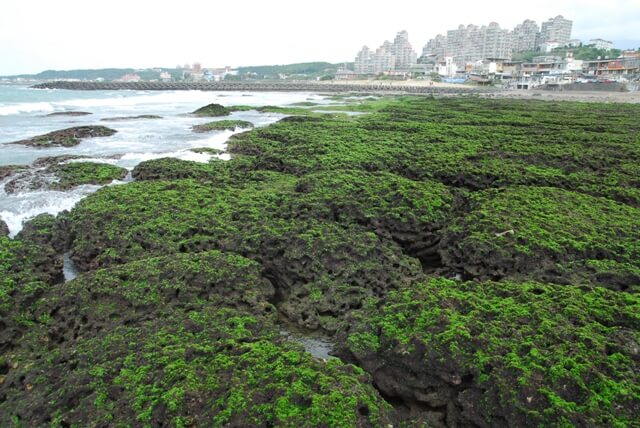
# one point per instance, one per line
(9, 170)
(67, 137)
(128, 118)
(58, 173)
(68, 113)
(4, 229)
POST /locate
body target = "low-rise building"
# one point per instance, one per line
(612, 68)
(131, 77)
(601, 44)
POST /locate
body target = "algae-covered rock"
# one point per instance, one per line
(78, 173)
(184, 340)
(409, 212)
(172, 169)
(55, 173)
(321, 269)
(222, 125)
(4, 229)
(9, 170)
(29, 266)
(505, 353)
(533, 231)
(67, 137)
(44, 229)
(211, 110)
(207, 150)
(468, 143)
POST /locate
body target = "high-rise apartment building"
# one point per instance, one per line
(363, 61)
(471, 43)
(435, 47)
(557, 30)
(404, 54)
(398, 55)
(525, 36)
(496, 42)
(383, 59)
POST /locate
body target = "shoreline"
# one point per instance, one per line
(419, 87)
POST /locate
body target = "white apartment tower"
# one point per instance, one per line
(404, 54)
(384, 59)
(496, 42)
(557, 30)
(398, 55)
(525, 36)
(363, 61)
(436, 47)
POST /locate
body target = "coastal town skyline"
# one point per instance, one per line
(279, 33)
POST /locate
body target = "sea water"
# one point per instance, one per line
(23, 114)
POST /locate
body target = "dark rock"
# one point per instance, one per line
(4, 229)
(171, 169)
(55, 160)
(68, 113)
(208, 150)
(9, 170)
(67, 137)
(126, 118)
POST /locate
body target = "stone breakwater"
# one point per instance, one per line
(259, 86)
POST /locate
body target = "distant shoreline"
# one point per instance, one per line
(364, 87)
(360, 86)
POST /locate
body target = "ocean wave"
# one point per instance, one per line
(19, 208)
(7, 110)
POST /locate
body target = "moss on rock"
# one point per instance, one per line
(514, 354)
(533, 231)
(185, 340)
(211, 110)
(222, 125)
(67, 137)
(78, 173)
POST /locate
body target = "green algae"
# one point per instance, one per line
(209, 354)
(223, 125)
(78, 173)
(212, 110)
(320, 218)
(528, 231)
(544, 354)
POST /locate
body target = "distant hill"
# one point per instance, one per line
(304, 69)
(94, 74)
(309, 70)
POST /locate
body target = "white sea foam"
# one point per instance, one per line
(9, 109)
(18, 208)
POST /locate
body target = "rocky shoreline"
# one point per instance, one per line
(475, 261)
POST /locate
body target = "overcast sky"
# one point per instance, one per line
(69, 34)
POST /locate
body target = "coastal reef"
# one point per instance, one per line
(475, 263)
(212, 110)
(222, 125)
(62, 173)
(67, 137)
